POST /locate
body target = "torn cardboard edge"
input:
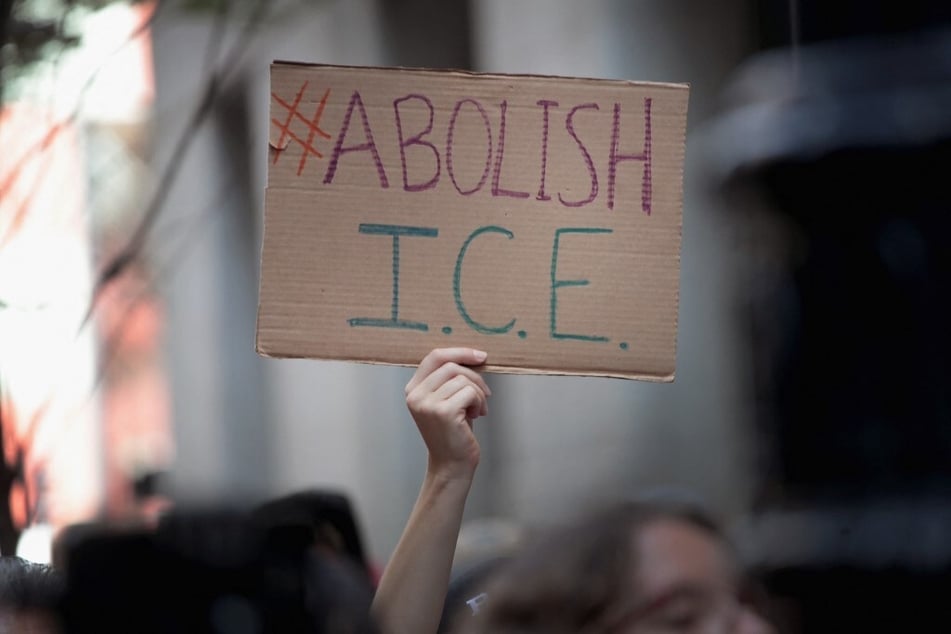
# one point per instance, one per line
(474, 74)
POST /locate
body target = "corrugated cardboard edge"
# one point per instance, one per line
(680, 228)
(495, 369)
(470, 74)
(257, 322)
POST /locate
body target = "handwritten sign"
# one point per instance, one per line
(537, 218)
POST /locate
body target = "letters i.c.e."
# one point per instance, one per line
(395, 321)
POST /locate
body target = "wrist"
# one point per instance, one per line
(450, 475)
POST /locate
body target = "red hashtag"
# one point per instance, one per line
(313, 126)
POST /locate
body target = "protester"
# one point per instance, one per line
(636, 568)
(211, 571)
(297, 565)
(325, 520)
(444, 397)
(640, 567)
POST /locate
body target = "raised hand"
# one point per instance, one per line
(444, 396)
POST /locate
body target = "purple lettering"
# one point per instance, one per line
(449, 145)
(416, 139)
(645, 156)
(355, 100)
(545, 104)
(497, 190)
(592, 173)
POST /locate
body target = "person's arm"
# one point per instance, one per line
(444, 397)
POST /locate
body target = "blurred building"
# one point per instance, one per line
(83, 398)
(552, 446)
(782, 413)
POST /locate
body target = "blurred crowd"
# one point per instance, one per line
(297, 563)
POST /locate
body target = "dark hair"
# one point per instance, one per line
(320, 517)
(209, 571)
(574, 578)
(25, 585)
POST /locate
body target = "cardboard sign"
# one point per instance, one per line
(536, 218)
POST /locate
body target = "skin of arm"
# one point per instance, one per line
(444, 397)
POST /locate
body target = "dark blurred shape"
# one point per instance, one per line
(30, 595)
(321, 519)
(428, 33)
(482, 549)
(848, 143)
(210, 571)
(850, 311)
(149, 484)
(467, 592)
(851, 324)
(820, 20)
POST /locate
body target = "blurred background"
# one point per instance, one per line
(811, 407)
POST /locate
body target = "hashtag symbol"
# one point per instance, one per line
(313, 127)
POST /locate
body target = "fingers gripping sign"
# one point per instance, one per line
(444, 397)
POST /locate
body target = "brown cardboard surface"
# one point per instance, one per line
(536, 218)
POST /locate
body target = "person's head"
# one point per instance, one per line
(324, 519)
(637, 568)
(29, 597)
(210, 570)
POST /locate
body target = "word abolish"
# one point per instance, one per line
(444, 148)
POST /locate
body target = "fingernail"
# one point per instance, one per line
(480, 355)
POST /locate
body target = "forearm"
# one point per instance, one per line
(411, 593)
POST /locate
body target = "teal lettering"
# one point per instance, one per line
(457, 283)
(556, 284)
(394, 321)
